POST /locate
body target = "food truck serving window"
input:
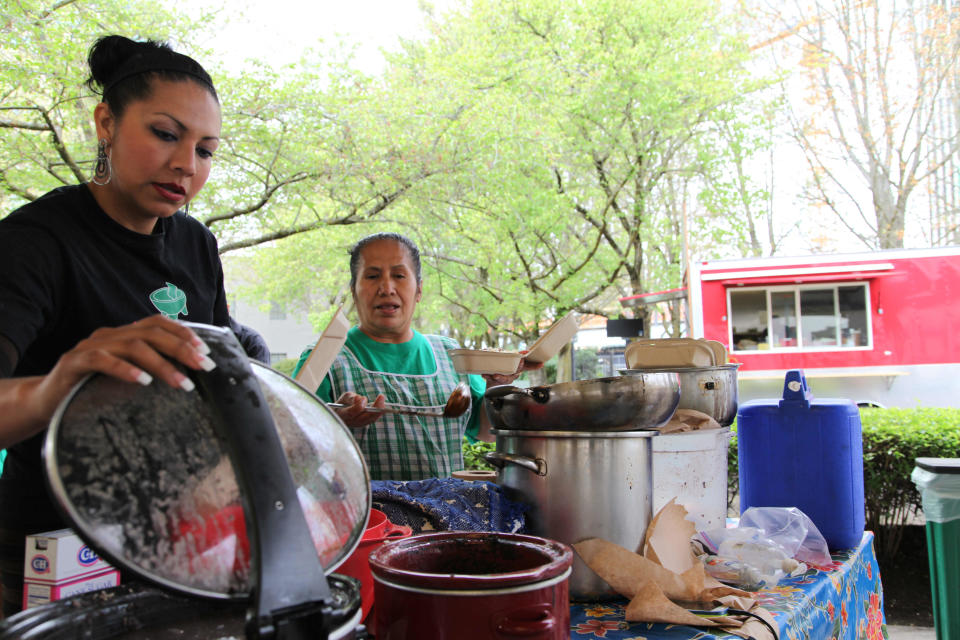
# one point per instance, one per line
(808, 317)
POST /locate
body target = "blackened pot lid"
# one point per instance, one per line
(141, 612)
(144, 478)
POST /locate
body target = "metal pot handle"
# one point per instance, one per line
(713, 384)
(539, 394)
(500, 460)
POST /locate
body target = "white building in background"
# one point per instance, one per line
(287, 335)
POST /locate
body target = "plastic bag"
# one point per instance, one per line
(940, 493)
(791, 529)
(746, 557)
(769, 544)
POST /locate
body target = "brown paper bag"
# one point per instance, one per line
(689, 420)
(668, 579)
(626, 571)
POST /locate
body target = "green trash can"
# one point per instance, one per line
(938, 480)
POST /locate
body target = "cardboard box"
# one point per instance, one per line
(58, 564)
(37, 593)
(55, 556)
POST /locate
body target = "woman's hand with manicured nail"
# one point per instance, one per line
(137, 352)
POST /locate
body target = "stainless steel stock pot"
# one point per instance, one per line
(580, 484)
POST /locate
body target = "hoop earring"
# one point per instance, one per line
(103, 170)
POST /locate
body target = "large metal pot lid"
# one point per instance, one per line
(144, 478)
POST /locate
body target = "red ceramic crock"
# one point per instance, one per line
(379, 530)
(459, 585)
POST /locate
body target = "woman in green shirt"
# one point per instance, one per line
(386, 359)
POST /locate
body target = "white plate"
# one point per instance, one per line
(483, 361)
(550, 343)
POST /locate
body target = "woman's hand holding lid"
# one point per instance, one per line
(135, 352)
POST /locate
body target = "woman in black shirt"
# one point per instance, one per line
(94, 277)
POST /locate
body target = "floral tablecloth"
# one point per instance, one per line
(842, 602)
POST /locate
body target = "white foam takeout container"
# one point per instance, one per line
(481, 361)
(674, 352)
(507, 362)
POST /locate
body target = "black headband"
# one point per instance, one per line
(158, 61)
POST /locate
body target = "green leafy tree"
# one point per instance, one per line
(301, 147)
(545, 154)
(579, 118)
(47, 137)
(560, 137)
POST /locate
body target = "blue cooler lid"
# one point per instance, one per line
(797, 397)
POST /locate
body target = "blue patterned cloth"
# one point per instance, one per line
(843, 602)
(448, 504)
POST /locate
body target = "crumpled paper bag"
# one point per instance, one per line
(689, 420)
(668, 580)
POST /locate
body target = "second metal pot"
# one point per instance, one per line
(580, 485)
(710, 390)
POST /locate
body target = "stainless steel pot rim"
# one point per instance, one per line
(548, 433)
(720, 367)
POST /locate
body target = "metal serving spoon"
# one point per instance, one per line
(457, 405)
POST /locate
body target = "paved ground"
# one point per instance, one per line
(904, 632)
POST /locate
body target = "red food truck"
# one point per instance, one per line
(879, 328)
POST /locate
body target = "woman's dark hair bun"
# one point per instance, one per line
(122, 70)
(109, 53)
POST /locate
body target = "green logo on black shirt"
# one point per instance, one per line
(170, 301)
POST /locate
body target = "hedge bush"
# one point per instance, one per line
(892, 440)
(473, 455)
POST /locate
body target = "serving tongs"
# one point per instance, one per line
(457, 405)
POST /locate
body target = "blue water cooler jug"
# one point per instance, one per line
(798, 452)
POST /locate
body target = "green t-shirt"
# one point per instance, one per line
(414, 357)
